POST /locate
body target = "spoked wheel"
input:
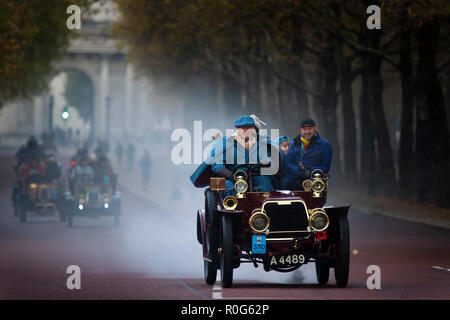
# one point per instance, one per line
(210, 267)
(342, 266)
(226, 258)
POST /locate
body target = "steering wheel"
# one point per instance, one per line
(252, 167)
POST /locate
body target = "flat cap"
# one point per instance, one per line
(307, 122)
(244, 121)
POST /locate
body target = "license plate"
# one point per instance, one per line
(258, 244)
(288, 260)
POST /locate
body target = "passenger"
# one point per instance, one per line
(146, 167)
(53, 168)
(83, 174)
(103, 172)
(284, 143)
(308, 152)
(33, 170)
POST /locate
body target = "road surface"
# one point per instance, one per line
(154, 255)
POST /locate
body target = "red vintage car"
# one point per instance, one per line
(282, 230)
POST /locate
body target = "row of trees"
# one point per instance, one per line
(280, 56)
(32, 35)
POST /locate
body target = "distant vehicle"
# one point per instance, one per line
(92, 201)
(282, 230)
(38, 198)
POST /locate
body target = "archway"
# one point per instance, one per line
(72, 93)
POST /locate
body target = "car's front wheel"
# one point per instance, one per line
(70, 219)
(342, 265)
(322, 272)
(210, 272)
(226, 258)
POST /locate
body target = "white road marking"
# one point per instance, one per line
(217, 291)
(441, 268)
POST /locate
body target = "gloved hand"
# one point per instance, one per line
(226, 173)
(305, 173)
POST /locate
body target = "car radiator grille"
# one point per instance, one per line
(290, 217)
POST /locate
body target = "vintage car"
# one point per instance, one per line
(39, 198)
(93, 201)
(282, 230)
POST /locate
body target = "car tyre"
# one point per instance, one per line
(322, 273)
(342, 265)
(62, 215)
(226, 258)
(199, 230)
(212, 226)
(210, 272)
(70, 219)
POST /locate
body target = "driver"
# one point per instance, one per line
(242, 148)
(83, 174)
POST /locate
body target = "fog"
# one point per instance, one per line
(161, 238)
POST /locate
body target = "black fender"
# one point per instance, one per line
(334, 213)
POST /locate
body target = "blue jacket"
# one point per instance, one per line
(318, 155)
(212, 165)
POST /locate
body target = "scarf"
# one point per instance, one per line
(304, 144)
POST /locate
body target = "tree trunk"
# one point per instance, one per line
(432, 135)
(386, 176)
(349, 125)
(367, 153)
(405, 163)
(329, 127)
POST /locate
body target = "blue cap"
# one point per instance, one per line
(244, 121)
(282, 139)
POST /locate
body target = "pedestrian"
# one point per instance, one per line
(119, 154)
(146, 167)
(130, 156)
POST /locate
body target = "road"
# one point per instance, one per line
(154, 255)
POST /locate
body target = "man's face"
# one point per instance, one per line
(284, 146)
(307, 132)
(246, 132)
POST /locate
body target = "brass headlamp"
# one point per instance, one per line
(318, 220)
(240, 185)
(230, 203)
(318, 183)
(259, 221)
